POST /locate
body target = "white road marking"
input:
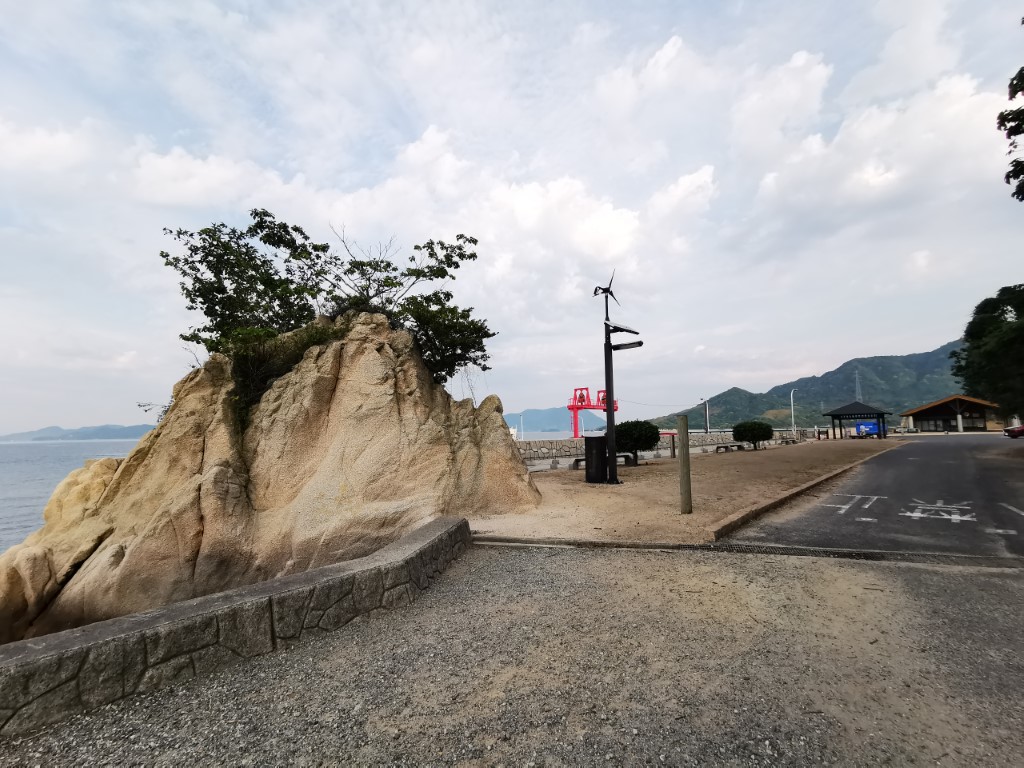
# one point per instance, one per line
(1012, 509)
(1001, 530)
(866, 520)
(956, 517)
(940, 504)
(854, 498)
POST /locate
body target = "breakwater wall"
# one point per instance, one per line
(533, 450)
(46, 679)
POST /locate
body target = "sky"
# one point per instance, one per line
(779, 186)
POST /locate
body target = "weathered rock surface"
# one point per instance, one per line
(342, 455)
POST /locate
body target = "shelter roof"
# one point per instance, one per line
(857, 410)
(975, 400)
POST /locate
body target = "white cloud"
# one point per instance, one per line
(777, 105)
(790, 176)
(38, 149)
(691, 193)
(918, 51)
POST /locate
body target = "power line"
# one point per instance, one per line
(660, 405)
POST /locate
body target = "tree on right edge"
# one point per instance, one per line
(990, 364)
(1011, 122)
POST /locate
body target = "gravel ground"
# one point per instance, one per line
(576, 657)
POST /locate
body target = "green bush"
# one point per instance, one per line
(635, 436)
(755, 432)
(257, 362)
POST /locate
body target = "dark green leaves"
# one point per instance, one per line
(635, 436)
(991, 362)
(1011, 122)
(269, 278)
(755, 432)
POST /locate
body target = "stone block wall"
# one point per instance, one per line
(49, 678)
(535, 450)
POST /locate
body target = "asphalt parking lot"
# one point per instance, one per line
(956, 494)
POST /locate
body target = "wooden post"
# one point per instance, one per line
(685, 495)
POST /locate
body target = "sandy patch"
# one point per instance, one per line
(645, 507)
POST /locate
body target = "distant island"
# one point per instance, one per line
(553, 420)
(102, 432)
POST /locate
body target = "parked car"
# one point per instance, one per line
(1014, 432)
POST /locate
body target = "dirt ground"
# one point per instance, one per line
(573, 657)
(645, 507)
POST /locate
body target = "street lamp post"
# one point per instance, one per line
(792, 413)
(707, 416)
(609, 376)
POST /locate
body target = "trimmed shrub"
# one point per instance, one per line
(635, 436)
(755, 432)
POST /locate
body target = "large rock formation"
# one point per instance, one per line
(345, 453)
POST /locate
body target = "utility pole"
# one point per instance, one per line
(707, 416)
(792, 413)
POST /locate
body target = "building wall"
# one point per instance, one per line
(942, 418)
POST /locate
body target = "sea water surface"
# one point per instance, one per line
(30, 471)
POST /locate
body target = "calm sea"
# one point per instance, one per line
(30, 471)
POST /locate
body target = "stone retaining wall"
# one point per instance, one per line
(533, 450)
(49, 678)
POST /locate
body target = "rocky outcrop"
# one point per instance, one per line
(342, 455)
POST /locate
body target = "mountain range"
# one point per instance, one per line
(553, 420)
(101, 432)
(892, 382)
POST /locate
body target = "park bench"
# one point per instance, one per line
(726, 447)
(788, 441)
(627, 460)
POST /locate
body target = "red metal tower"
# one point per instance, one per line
(581, 401)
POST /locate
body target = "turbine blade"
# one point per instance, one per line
(613, 296)
(612, 280)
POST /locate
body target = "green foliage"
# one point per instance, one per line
(256, 364)
(635, 436)
(1011, 122)
(250, 284)
(253, 284)
(991, 362)
(755, 432)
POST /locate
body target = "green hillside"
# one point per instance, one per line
(895, 383)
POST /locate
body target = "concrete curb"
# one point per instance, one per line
(734, 521)
(712, 533)
(46, 679)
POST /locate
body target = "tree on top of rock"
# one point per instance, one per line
(255, 283)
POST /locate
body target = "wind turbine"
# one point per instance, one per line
(607, 291)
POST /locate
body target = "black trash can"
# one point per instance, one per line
(596, 450)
